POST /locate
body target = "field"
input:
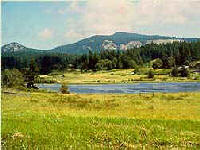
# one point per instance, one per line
(41, 120)
(115, 76)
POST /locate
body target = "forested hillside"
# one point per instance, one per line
(117, 41)
(162, 55)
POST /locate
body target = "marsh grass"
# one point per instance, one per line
(41, 120)
(113, 76)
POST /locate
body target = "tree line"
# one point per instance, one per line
(163, 56)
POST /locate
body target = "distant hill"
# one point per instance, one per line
(117, 41)
(96, 42)
(12, 47)
(19, 50)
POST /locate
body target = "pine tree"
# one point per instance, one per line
(31, 74)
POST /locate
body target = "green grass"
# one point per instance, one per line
(114, 76)
(38, 120)
(39, 131)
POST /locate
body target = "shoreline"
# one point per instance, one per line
(95, 83)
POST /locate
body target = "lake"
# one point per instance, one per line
(167, 87)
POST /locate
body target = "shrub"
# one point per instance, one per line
(150, 74)
(104, 64)
(174, 72)
(136, 70)
(64, 89)
(170, 62)
(185, 72)
(12, 78)
(157, 64)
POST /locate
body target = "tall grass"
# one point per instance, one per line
(37, 120)
(34, 131)
(114, 76)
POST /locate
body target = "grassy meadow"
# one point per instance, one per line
(114, 76)
(41, 120)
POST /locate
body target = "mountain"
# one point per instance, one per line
(98, 42)
(117, 41)
(19, 50)
(12, 47)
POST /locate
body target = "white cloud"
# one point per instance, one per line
(100, 17)
(163, 12)
(46, 34)
(109, 16)
(106, 17)
(73, 35)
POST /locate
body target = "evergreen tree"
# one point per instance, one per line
(150, 74)
(31, 74)
(174, 72)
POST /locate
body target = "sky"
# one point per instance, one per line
(45, 25)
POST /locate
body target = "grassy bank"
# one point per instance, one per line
(115, 76)
(94, 121)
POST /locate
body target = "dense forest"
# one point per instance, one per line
(163, 56)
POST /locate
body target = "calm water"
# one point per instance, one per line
(128, 88)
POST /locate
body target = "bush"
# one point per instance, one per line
(157, 64)
(174, 72)
(185, 72)
(170, 62)
(12, 78)
(150, 74)
(64, 89)
(136, 70)
(104, 64)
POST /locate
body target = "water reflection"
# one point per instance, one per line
(169, 87)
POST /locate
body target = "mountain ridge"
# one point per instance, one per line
(118, 40)
(95, 42)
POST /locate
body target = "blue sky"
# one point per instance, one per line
(45, 25)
